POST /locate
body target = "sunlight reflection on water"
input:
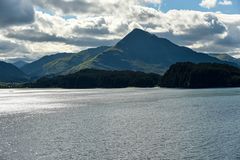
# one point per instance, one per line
(120, 124)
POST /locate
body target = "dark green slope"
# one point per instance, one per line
(142, 51)
(203, 75)
(10, 73)
(92, 78)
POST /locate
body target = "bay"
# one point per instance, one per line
(131, 123)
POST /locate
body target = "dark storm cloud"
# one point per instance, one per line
(6, 47)
(201, 32)
(34, 36)
(91, 31)
(15, 12)
(10, 50)
(232, 39)
(69, 6)
(229, 41)
(99, 28)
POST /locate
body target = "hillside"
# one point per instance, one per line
(90, 78)
(226, 57)
(38, 68)
(74, 62)
(11, 74)
(203, 75)
(19, 64)
(61, 63)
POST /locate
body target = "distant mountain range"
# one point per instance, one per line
(137, 51)
(226, 57)
(19, 64)
(10, 73)
(39, 68)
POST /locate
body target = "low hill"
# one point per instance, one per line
(203, 75)
(90, 78)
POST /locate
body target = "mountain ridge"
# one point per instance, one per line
(20, 63)
(37, 68)
(11, 74)
(225, 57)
(143, 51)
(139, 50)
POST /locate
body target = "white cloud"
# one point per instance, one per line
(225, 2)
(208, 3)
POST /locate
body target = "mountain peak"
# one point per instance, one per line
(141, 40)
(136, 37)
(138, 31)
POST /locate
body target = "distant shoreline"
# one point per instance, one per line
(184, 75)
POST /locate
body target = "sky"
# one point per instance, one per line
(30, 29)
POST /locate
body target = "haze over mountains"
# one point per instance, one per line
(226, 57)
(137, 51)
(10, 73)
(19, 63)
(38, 68)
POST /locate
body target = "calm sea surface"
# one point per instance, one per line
(131, 123)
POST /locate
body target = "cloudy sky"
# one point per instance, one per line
(30, 29)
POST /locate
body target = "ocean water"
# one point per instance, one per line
(126, 124)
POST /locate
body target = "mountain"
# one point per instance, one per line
(38, 68)
(19, 64)
(92, 78)
(142, 51)
(74, 62)
(137, 51)
(61, 63)
(10, 73)
(226, 57)
(202, 75)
